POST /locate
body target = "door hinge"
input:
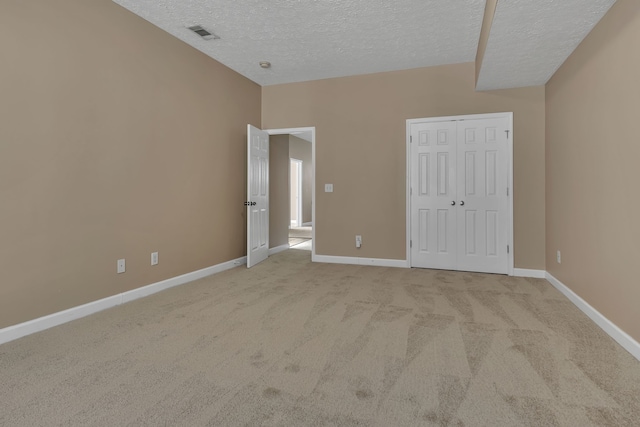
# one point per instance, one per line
(411, 191)
(410, 243)
(507, 248)
(507, 131)
(507, 191)
(410, 138)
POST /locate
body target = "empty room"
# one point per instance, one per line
(319, 213)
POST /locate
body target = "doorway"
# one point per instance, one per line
(299, 188)
(459, 193)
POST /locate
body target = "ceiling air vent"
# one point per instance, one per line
(205, 34)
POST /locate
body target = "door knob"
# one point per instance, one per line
(453, 203)
(462, 203)
(254, 203)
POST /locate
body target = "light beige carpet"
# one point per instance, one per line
(299, 235)
(291, 343)
(295, 241)
(300, 232)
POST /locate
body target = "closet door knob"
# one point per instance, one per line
(462, 203)
(453, 203)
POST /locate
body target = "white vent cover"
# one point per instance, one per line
(204, 33)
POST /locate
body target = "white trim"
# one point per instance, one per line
(42, 323)
(620, 336)
(284, 131)
(401, 263)
(307, 224)
(408, 191)
(510, 226)
(525, 272)
(278, 249)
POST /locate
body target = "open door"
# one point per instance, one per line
(257, 196)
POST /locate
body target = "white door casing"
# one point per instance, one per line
(257, 195)
(464, 223)
(312, 132)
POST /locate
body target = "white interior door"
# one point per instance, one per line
(433, 195)
(459, 202)
(483, 203)
(257, 195)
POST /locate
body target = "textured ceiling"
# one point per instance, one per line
(529, 40)
(317, 39)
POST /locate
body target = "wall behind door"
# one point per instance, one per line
(360, 148)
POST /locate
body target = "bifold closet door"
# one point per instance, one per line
(459, 202)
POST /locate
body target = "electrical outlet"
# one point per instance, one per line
(154, 258)
(559, 257)
(121, 266)
(358, 241)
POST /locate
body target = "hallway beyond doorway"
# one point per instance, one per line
(299, 235)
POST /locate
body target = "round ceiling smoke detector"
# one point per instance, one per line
(265, 64)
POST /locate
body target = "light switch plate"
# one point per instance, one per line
(328, 188)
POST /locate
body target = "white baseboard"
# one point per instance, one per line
(40, 324)
(401, 263)
(620, 336)
(277, 249)
(524, 272)
(307, 224)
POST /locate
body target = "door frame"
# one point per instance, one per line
(298, 164)
(507, 115)
(293, 131)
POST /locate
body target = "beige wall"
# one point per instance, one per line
(278, 190)
(360, 148)
(301, 150)
(593, 106)
(116, 140)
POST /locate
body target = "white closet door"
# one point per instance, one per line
(483, 203)
(459, 194)
(433, 193)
